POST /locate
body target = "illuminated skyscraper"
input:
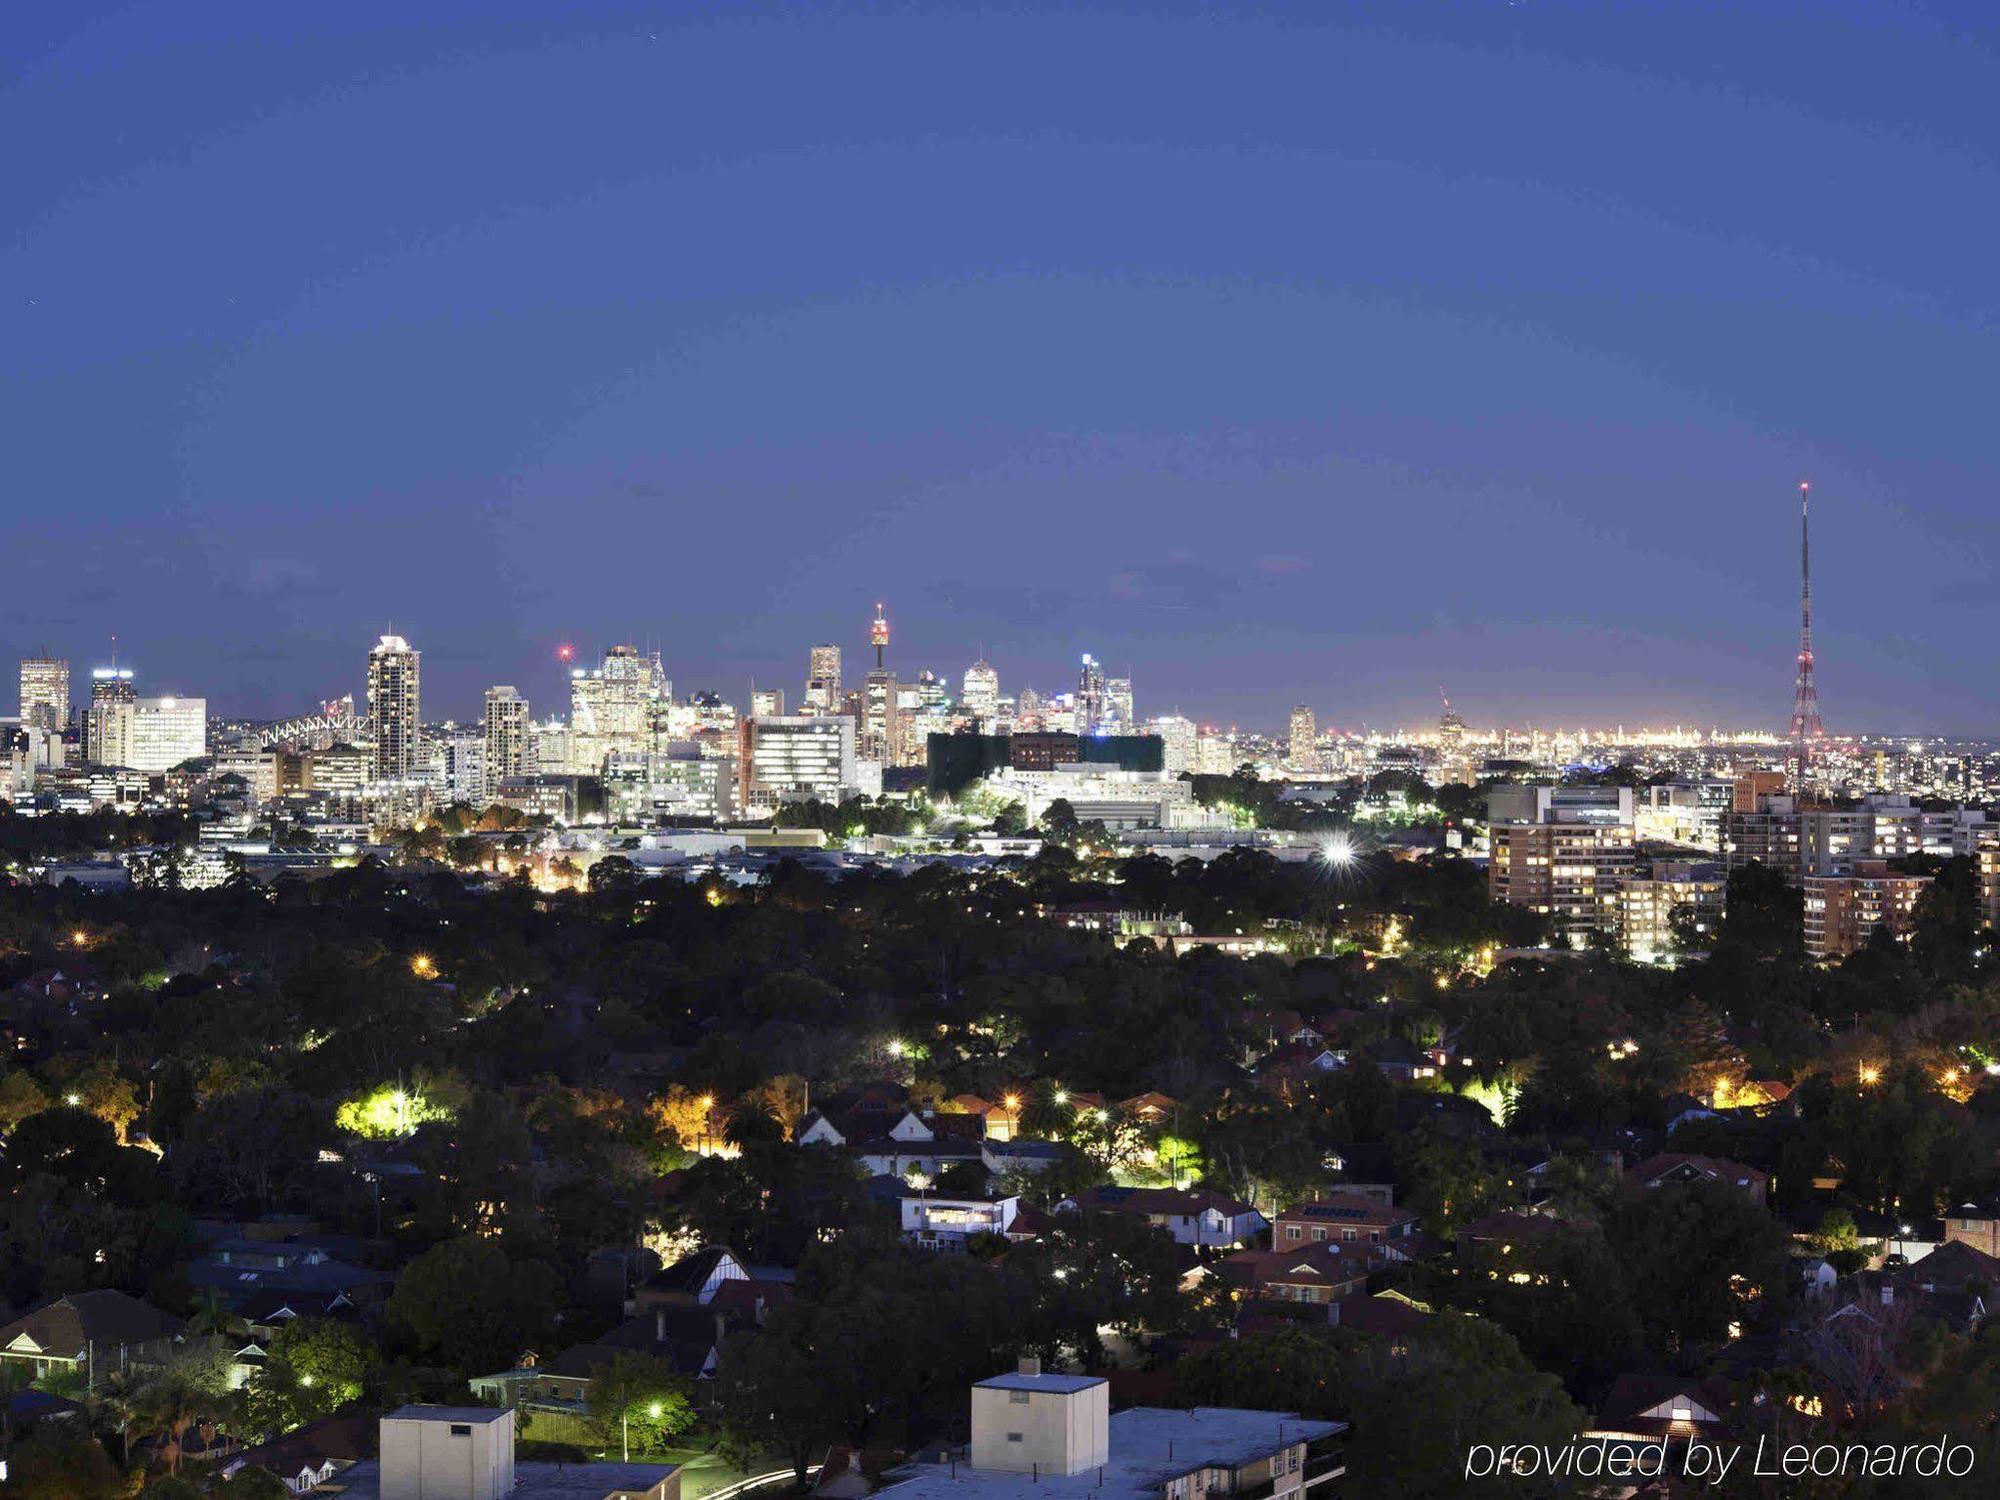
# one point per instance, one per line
(393, 670)
(1089, 695)
(823, 680)
(611, 709)
(109, 686)
(506, 735)
(1117, 717)
(979, 695)
(1302, 747)
(45, 693)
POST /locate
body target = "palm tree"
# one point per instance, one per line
(190, 1388)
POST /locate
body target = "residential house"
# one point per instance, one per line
(1193, 1216)
(694, 1279)
(468, 1453)
(1340, 1218)
(93, 1334)
(242, 1271)
(945, 1221)
(1320, 1274)
(1641, 1411)
(1974, 1224)
(311, 1456)
(1004, 1156)
(1672, 1167)
(1401, 1060)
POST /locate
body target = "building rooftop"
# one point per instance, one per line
(536, 1481)
(1015, 1381)
(446, 1414)
(1139, 1464)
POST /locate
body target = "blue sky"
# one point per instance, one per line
(1319, 353)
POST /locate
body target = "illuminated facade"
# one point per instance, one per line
(979, 694)
(506, 727)
(612, 708)
(393, 698)
(45, 693)
(1565, 852)
(1844, 911)
(1302, 741)
(823, 680)
(792, 759)
(108, 685)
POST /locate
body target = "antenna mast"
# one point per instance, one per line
(1807, 728)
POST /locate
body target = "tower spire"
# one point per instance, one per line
(1807, 729)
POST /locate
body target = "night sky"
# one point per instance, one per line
(1324, 353)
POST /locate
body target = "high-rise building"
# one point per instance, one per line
(45, 693)
(823, 680)
(108, 686)
(881, 718)
(393, 698)
(878, 635)
(1178, 743)
(1117, 718)
(461, 769)
(1844, 911)
(1563, 851)
(767, 703)
(792, 759)
(506, 734)
(1302, 744)
(1089, 695)
(611, 708)
(979, 693)
(148, 734)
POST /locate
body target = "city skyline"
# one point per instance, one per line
(1286, 387)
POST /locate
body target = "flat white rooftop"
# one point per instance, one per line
(1149, 1446)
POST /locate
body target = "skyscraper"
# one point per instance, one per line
(979, 694)
(506, 735)
(1089, 695)
(767, 703)
(45, 693)
(393, 670)
(881, 718)
(823, 680)
(109, 686)
(1302, 747)
(1118, 718)
(611, 708)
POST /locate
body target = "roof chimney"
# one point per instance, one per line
(1029, 1365)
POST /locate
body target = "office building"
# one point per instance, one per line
(1843, 912)
(167, 731)
(979, 692)
(108, 685)
(1302, 742)
(1117, 715)
(794, 759)
(823, 694)
(767, 703)
(879, 709)
(393, 702)
(45, 694)
(1178, 743)
(506, 726)
(1565, 852)
(612, 707)
(1089, 696)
